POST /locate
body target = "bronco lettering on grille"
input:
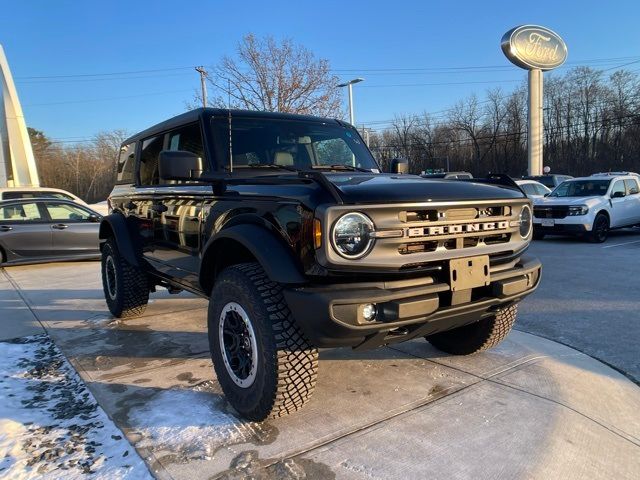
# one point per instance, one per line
(456, 229)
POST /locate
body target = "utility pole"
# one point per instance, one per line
(203, 84)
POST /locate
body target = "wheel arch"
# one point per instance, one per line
(115, 225)
(248, 243)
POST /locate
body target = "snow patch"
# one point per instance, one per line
(189, 425)
(51, 426)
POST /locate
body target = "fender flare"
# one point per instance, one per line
(115, 225)
(276, 259)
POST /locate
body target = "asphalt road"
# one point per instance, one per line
(589, 298)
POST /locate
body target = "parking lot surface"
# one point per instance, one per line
(530, 408)
(589, 297)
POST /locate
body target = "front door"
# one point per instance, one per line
(620, 214)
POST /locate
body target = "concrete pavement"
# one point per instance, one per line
(530, 408)
(589, 297)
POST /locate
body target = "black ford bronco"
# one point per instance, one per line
(286, 225)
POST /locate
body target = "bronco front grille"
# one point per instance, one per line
(453, 243)
(433, 231)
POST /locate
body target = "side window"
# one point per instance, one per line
(618, 187)
(20, 213)
(187, 138)
(66, 212)
(126, 164)
(48, 194)
(15, 195)
(632, 186)
(529, 188)
(541, 190)
(151, 148)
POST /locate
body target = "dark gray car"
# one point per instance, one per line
(47, 229)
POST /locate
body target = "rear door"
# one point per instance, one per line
(74, 229)
(24, 231)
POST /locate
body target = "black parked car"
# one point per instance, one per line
(285, 224)
(550, 181)
(47, 229)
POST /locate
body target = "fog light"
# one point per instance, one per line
(369, 312)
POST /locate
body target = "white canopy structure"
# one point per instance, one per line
(17, 165)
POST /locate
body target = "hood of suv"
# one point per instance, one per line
(381, 188)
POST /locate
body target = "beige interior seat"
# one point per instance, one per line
(283, 158)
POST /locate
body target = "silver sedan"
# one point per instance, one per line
(47, 229)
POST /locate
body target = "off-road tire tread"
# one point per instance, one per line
(296, 359)
(135, 292)
(476, 337)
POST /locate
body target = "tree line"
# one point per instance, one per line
(86, 169)
(591, 123)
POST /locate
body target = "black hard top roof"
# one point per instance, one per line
(205, 113)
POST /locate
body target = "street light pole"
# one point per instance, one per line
(350, 85)
(203, 84)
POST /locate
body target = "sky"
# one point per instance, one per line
(414, 54)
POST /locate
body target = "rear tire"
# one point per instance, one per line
(265, 365)
(126, 287)
(478, 336)
(600, 230)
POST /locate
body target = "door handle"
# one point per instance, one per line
(59, 226)
(5, 228)
(159, 208)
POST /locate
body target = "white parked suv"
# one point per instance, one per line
(589, 206)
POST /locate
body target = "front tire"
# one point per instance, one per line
(600, 230)
(476, 337)
(126, 287)
(538, 235)
(265, 365)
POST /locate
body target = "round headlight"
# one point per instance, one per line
(352, 235)
(525, 221)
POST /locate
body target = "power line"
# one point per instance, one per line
(108, 99)
(155, 70)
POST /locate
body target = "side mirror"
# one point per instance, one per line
(399, 166)
(618, 194)
(179, 165)
(94, 218)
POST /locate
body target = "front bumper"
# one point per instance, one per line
(331, 315)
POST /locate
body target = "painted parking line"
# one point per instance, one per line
(621, 244)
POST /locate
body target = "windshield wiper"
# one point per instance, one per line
(272, 165)
(342, 166)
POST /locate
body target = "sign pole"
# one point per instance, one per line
(536, 49)
(535, 122)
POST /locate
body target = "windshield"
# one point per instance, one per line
(581, 188)
(293, 144)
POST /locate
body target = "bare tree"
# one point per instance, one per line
(86, 169)
(276, 76)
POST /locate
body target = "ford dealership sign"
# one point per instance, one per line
(534, 47)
